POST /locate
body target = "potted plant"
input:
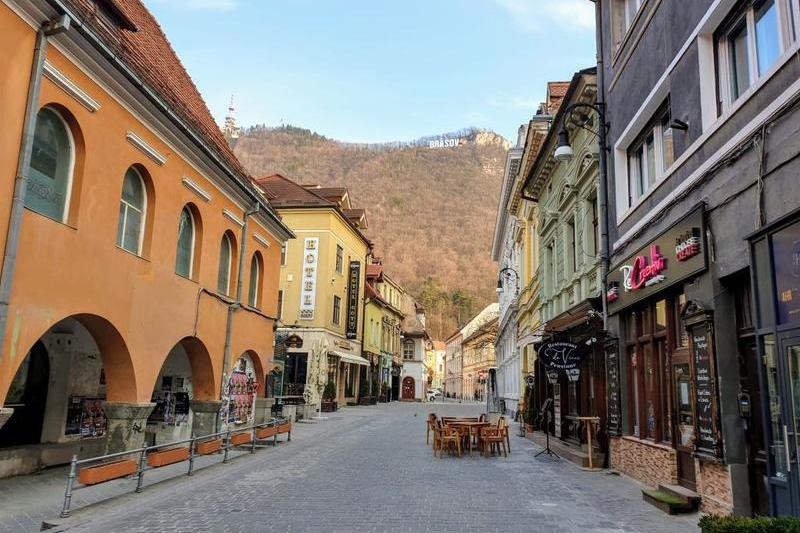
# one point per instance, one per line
(364, 397)
(529, 415)
(384, 392)
(376, 391)
(329, 398)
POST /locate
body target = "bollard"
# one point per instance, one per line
(140, 474)
(73, 467)
(191, 457)
(227, 446)
(253, 441)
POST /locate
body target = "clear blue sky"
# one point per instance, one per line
(370, 71)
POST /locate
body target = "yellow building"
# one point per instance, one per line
(382, 321)
(477, 346)
(321, 290)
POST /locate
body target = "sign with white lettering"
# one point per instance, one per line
(353, 285)
(561, 355)
(308, 283)
(678, 253)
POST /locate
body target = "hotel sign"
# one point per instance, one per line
(678, 253)
(352, 299)
(308, 281)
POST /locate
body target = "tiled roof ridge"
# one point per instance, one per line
(298, 186)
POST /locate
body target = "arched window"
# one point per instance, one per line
(52, 161)
(225, 262)
(132, 205)
(254, 291)
(184, 258)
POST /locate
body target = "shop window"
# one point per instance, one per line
(256, 276)
(750, 43)
(225, 264)
(132, 206)
(184, 259)
(51, 166)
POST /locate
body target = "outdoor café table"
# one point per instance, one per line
(474, 428)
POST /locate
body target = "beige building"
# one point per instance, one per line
(479, 336)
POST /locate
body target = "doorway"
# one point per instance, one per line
(28, 397)
(408, 388)
(684, 421)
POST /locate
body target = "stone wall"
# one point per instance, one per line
(714, 486)
(644, 461)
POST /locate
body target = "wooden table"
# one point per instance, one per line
(474, 428)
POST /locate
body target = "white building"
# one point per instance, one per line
(506, 251)
(414, 342)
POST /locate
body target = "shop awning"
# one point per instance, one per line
(349, 358)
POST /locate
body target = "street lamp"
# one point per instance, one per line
(507, 271)
(564, 152)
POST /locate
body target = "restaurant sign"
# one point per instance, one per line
(676, 254)
(560, 355)
(352, 299)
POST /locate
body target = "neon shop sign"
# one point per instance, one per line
(644, 272)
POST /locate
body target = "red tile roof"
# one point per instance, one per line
(150, 55)
(374, 271)
(284, 192)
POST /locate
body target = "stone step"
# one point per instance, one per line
(667, 502)
(687, 495)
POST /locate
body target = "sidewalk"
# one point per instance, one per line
(25, 501)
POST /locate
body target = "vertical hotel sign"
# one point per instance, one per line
(308, 286)
(352, 299)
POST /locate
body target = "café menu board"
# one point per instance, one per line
(613, 421)
(707, 434)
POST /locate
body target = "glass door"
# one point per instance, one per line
(791, 429)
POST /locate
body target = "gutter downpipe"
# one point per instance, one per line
(603, 164)
(237, 304)
(47, 29)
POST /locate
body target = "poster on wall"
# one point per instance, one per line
(238, 405)
(613, 420)
(308, 285)
(85, 417)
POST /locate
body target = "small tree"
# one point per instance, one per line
(363, 389)
(329, 394)
(376, 388)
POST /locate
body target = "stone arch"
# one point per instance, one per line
(205, 386)
(258, 368)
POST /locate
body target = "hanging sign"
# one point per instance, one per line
(291, 341)
(352, 299)
(561, 355)
(308, 282)
(676, 254)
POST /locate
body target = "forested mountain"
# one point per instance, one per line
(430, 205)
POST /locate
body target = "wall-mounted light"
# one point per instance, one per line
(678, 124)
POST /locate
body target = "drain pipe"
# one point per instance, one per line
(48, 29)
(237, 304)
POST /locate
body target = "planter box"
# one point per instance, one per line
(105, 472)
(286, 427)
(366, 400)
(237, 439)
(167, 457)
(528, 428)
(208, 446)
(265, 433)
(328, 407)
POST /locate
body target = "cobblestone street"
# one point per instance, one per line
(367, 469)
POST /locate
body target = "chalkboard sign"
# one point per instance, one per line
(613, 420)
(705, 385)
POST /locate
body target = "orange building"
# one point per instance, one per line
(140, 265)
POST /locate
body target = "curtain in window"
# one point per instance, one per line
(185, 252)
(224, 273)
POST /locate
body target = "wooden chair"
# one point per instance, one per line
(450, 441)
(502, 425)
(436, 429)
(491, 440)
(482, 418)
(429, 427)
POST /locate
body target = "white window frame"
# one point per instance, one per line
(143, 212)
(339, 261)
(785, 30)
(337, 310)
(71, 166)
(655, 129)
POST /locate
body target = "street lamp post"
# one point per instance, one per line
(564, 153)
(507, 271)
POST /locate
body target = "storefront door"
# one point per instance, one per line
(683, 422)
(785, 482)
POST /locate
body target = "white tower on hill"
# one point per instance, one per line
(230, 129)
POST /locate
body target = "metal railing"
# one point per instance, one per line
(142, 453)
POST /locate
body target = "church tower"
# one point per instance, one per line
(230, 129)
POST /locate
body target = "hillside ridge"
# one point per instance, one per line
(430, 205)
